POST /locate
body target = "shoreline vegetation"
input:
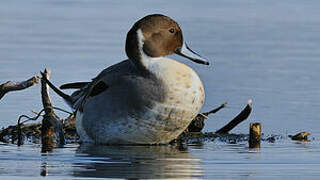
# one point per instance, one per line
(55, 132)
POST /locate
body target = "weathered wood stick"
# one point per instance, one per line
(51, 126)
(215, 110)
(197, 124)
(255, 135)
(243, 115)
(15, 86)
(47, 130)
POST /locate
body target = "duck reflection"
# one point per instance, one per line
(132, 162)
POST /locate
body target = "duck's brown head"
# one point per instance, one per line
(156, 36)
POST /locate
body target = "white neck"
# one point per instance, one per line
(150, 63)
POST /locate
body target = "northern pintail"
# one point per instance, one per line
(147, 99)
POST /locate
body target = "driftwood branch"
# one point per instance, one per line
(215, 110)
(51, 126)
(197, 124)
(243, 115)
(15, 86)
(20, 142)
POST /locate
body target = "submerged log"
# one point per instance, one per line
(243, 115)
(51, 131)
(15, 86)
(255, 135)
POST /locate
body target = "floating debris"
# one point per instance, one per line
(302, 136)
(31, 133)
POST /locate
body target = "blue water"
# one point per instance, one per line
(285, 160)
(264, 50)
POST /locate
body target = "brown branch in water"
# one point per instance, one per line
(19, 131)
(243, 115)
(15, 86)
(51, 126)
(215, 110)
(32, 131)
(197, 124)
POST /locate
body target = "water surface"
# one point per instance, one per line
(210, 161)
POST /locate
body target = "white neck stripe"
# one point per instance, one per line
(145, 59)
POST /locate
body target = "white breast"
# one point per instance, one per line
(185, 89)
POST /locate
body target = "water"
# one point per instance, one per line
(210, 161)
(266, 50)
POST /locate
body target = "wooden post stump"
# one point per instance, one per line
(47, 130)
(52, 130)
(255, 135)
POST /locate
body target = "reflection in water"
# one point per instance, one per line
(44, 169)
(136, 162)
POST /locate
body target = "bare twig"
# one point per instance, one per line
(197, 124)
(243, 115)
(28, 119)
(15, 86)
(215, 110)
(56, 108)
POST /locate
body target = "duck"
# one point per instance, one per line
(147, 99)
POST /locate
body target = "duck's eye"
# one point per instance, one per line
(171, 30)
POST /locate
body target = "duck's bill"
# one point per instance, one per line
(186, 52)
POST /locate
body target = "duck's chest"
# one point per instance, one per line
(184, 89)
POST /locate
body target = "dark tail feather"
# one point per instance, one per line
(66, 97)
(76, 85)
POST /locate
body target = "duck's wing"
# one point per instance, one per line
(98, 84)
(101, 82)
